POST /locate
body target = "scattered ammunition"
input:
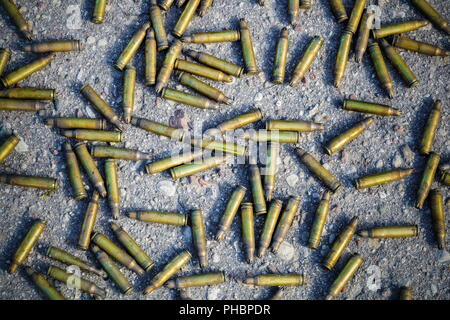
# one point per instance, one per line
(204, 6)
(230, 211)
(390, 232)
(248, 230)
(240, 120)
(166, 4)
(112, 270)
(281, 280)
(99, 151)
(293, 125)
(279, 65)
(340, 243)
(345, 276)
(306, 60)
(71, 279)
(381, 69)
(355, 16)
(54, 46)
(28, 94)
(94, 135)
(271, 168)
(294, 9)
(168, 64)
(150, 58)
(199, 236)
(188, 99)
(318, 170)
(131, 48)
(175, 219)
(272, 136)
(90, 168)
(320, 218)
(197, 280)
(99, 11)
(129, 88)
(24, 72)
(215, 63)
(8, 146)
(337, 6)
(406, 293)
(100, 105)
(223, 146)
(363, 35)
(427, 178)
(5, 55)
(371, 108)
(445, 177)
(116, 253)
(342, 57)
(29, 181)
(185, 18)
(17, 18)
(418, 46)
(203, 88)
(180, 3)
(74, 173)
(43, 285)
(69, 259)
(169, 270)
(112, 187)
(396, 28)
(158, 128)
(305, 4)
(382, 178)
(21, 105)
(27, 244)
(259, 200)
(132, 247)
(438, 217)
(203, 71)
(431, 14)
(247, 49)
(172, 161)
(269, 227)
(213, 36)
(89, 222)
(286, 220)
(156, 19)
(76, 123)
(426, 143)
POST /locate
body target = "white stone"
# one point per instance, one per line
(292, 180)
(286, 251)
(167, 188)
(21, 146)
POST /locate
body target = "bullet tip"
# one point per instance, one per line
(363, 233)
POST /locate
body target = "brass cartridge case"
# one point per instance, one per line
(202, 71)
(230, 211)
(199, 236)
(17, 18)
(131, 48)
(150, 58)
(43, 285)
(241, 120)
(28, 94)
(215, 63)
(8, 146)
(438, 217)
(112, 187)
(370, 107)
(99, 13)
(320, 218)
(418, 46)
(185, 18)
(94, 135)
(396, 28)
(170, 218)
(383, 75)
(338, 9)
(382, 178)
(248, 52)
(54, 46)
(256, 184)
(269, 227)
(432, 14)
(22, 105)
(308, 57)
(282, 280)
(427, 178)
(342, 57)
(363, 35)
(203, 88)
(345, 276)
(213, 36)
(168, 64)
(197, 280)
(99, 151)
(129, 88)
(29, 181)
(157, 21)
(173, 161)
(248, 230)
(271, 168)
(90, 216)
(5, 56)
(293, 125)
(390, 232)
(279, 68)
(286, 220)
(426, 143)
(196, 167)
(76, 123)
(188, 99)
(69, 259)
(158, 128)
(74, 173)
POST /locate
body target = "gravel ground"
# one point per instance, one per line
(389, 142)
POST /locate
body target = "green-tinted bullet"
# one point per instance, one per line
(22, 105)
(43, 285)
(221, 146)
(271, 168)
(188, 99)
(29, 181)
(166, 4)
(100, 105)
(383, 75)
(294, 9)
(215, 63)
(294, 125)
(272, 136)
(213, 36)
(99, 13)
(259, 200)
(8, 146)
(172, 161)
(431, 14)
(248, 230)
(13, 12)
(345, 276)
(185, 18)
(112, 187)
(129, 88)
(382, 178)
(74, 173)
(306, 60)
(54, 46)
(157, 21)
(418, 46)
(197, 280)
(69, 259)
(203, 88)
(438, 217)
(427, 178)
(390, 232)
(342, 57)
(320, 218)
(363, 35)
(355, 16)
(150, 58)
(158, 128)
(89, 222)
(116, 253)
(132, 247)
(426, 143)
(28, 94)
(286, 220)
(90, 168)
(112, 270)
(340, 243)
(99, 151)
(240, 120)
(5, 55)
(170, 218)
(27, 244)
(204, 6)
(168, 64)
(282, 280)
(203, 71)
(76, 123)
(230, 211)
(131, 48)
(94, 135)
(197, 166)
(305, 4)
(14, 77)
(406, 293)
(338, 9)
(370, 107)
(248, 52)
(279, 68)
(269, 227)
(199, 236)
(396, 28)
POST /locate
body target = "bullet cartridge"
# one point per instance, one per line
(116, 253)
(168, 64)
(381, 69)
(306, 60)
(29, 181)
(132, 247)
(320, 218)
(382, 178)
(22, 105)
(90, 168)
(172, 161)
(259, 200)
(427, 178)
(189, 169)
(406, 293)
(74, 173)
(272, 136)
(18, 75)
(282, 280)
(170, 218)
(418, 46)
(247, 49)
(188, 99)
(396, 28)
(230, 211)
(100, 105)
(355, 16)
(76, 123)
(88, 222)
(294, 9)
(370, 107)
(204, 6)
(94, 135)
(8, 146)
(271, 168)
(445, 177)
(28, 94)
(157, 21)
(426, 143)
(279, 68)
(99, 151)
(197, 280)
(203, 88)
(340, 141)
(390, 232)
(166, 4)
(27, 244)
(131, 48)
(43, 285)
(286, 220)
(202, 71)
(305, 4)
(185, 18)
(5, 55)
(129, 88)
(69, 259)
(293, 125)
(199, 236)
(340, 243)
(150, 58)
(54, 46)
(438, 217)
(345, 276)
(168, 271)
(432, 14)
(240, 120)
(71, 279)
(213, 36)
(112, 270)
(221, 146)
(215, 63)
(342, 57)
(99, 13)
(269, 226)
(112, 187)
(158, 128)
(180, 3)
(363, 35)
(338, 9)
(248, 230)
(16, 17)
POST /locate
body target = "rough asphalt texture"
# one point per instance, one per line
(389, 142)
